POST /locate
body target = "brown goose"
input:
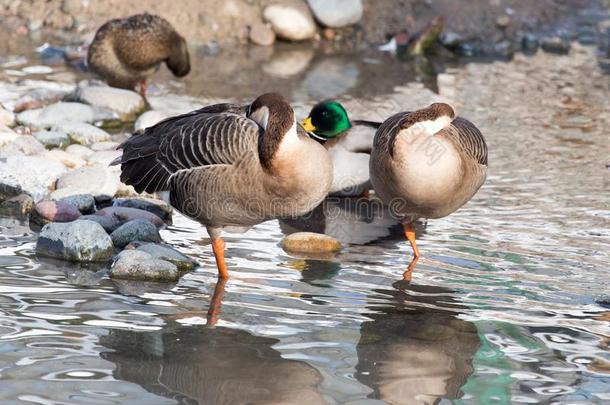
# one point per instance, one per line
(124, 52)
(427, 164)
(229, 166)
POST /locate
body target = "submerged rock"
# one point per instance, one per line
(290, 20)
(309, 242)
(54, 211)
(165, 252)
(125, 103)
(139, 265)
(158, 207)
(31, 175)
(136, 230)
(81, 241)
(336, 13)
(17, 206)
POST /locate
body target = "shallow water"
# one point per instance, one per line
(508, 305)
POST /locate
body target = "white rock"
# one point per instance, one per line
(24, 145)
(60, 113)
(150, 118)
(104, 157)
(336, 13)
(126, 103)
(96, 180)
(32, 175)
(6, 136)
(291, 20)
(63, 157)
(52, 138)
(83, 133)
(6, 117)
(80, 151)
(104, 146)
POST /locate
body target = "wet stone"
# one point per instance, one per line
(158, 207)
(136, 230)
(84, 203)
(309, 242)
(165, 252)
(108, 223)
(53, 211)
(555, 45)
(530, 42)
(139, 265)
(125, 214)
(80, 241)
(17, 206)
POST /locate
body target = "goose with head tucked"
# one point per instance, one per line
(125, 51)
(349, 144)
(427, 164)
(230, 166)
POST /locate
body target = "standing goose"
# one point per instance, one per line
(124, 52)
(230, 166)
(349, 144)
(427, 164)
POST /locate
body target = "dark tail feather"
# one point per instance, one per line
(139, 165)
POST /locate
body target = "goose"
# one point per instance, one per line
(230, 167)
(349, 144)
(427, 164)
(124, 52)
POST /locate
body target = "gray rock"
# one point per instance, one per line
(336, 13)
(158, 207)
(290, 20)
(136, 230)
(451, 39)
(167, 253)
(83, 133)
(84, 203)
(80, 241)
(18, 206)
(52, 139)
(555, 45)
(150, 118)
(24, 145)
(31, 175)
(530, 42)
(58, 114)
(125, 103)
(95, 180)
(110, 223)
(138, 265)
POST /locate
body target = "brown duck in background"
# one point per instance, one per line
(124, 52)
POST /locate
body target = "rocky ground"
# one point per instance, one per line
(490, 27)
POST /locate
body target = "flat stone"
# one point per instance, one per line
(80, 241)
(138, 265)
(158, 207)
(17, 206)
(125, 103)
(290, 20)
(150, 118)
(80, 151)
(96, 180)
(6, 117)
(53, 211)
(336, 13)
(165, 252)
(309, 242)
(63, 157)
(83, 133)
(52, 139)
(125, 214)
(136, 230)
(109, 223)
(24, 145)
(59, 114)
(31, 175)
(84, 203)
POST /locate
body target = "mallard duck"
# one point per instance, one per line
(348, 142)
(230, 166)
(427, 164)
(124, 52)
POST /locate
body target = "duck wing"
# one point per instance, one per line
(470, 140)
(217, 134)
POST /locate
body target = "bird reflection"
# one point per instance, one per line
(416, 351)
(202, 365)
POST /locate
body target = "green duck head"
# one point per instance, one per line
(327, 120)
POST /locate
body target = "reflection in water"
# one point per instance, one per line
(414, 352)
(204, 365)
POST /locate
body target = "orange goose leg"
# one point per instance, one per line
(410, 234)
(218, 246)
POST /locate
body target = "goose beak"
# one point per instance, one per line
(307, 125)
